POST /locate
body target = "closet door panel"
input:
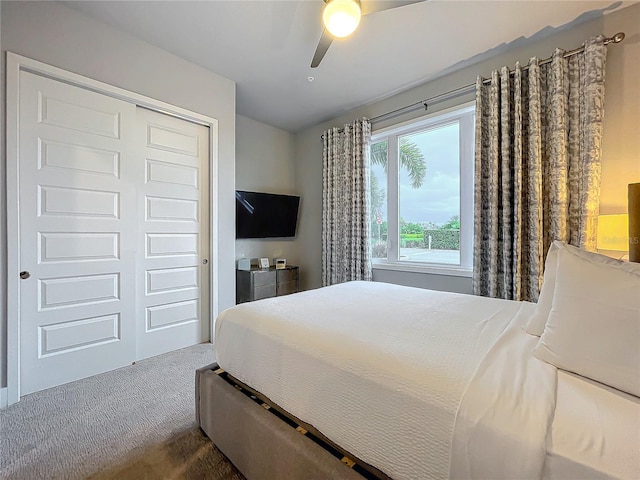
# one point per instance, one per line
(77, 233)
(173, 210)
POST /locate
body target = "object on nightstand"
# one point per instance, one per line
(244, 264)
(280, 263)
(613, 232)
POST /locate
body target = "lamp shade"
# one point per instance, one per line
(612, 232)
(634, 222)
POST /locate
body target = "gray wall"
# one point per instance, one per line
(265, 163)
(621, 143)
(54, 34)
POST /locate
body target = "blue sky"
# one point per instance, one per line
(439, 197)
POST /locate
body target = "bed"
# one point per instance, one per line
(404, 383)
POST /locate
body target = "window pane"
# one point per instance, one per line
(429, 191)
(379, 199)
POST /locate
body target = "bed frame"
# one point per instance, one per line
(263, 441)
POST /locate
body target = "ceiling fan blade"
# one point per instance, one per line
(368, 7)
(323, 46)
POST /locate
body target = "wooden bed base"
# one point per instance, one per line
(262, 440)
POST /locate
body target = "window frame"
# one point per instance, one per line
(465, 115)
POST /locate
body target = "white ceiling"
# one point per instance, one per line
(266, 46)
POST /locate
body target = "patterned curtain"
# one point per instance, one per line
(537, 167)
(346, 253)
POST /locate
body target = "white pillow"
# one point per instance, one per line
(535, 325)
(594, 324)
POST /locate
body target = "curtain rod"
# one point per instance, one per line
(617, 38)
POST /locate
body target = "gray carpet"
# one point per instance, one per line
(137, 422)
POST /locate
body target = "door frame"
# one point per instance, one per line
(17, 63)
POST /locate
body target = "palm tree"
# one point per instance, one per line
(411, 159)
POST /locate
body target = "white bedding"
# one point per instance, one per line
(506, 410)
(424, 384)
(377, 368)
(595, 432)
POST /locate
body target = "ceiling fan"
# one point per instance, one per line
(341, 17)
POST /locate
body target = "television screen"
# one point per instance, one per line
(265, 215)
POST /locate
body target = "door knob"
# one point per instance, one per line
(205, 261)
(24, 275)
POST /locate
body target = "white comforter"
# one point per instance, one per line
(379, 369)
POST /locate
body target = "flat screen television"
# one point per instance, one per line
(266, 215)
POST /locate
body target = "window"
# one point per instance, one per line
(422, 193)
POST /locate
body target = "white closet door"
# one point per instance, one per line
(173, 206)
(77, 233)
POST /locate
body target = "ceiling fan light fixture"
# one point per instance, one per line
(341, 17)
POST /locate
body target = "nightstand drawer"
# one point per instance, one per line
(287, 287)
(256, 284)
(264, 278)
(264, 291)
(287, 275)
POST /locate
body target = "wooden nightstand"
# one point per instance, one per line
(256, 284)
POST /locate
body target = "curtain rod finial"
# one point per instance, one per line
(618, 37)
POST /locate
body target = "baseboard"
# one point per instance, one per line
(3, 397)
